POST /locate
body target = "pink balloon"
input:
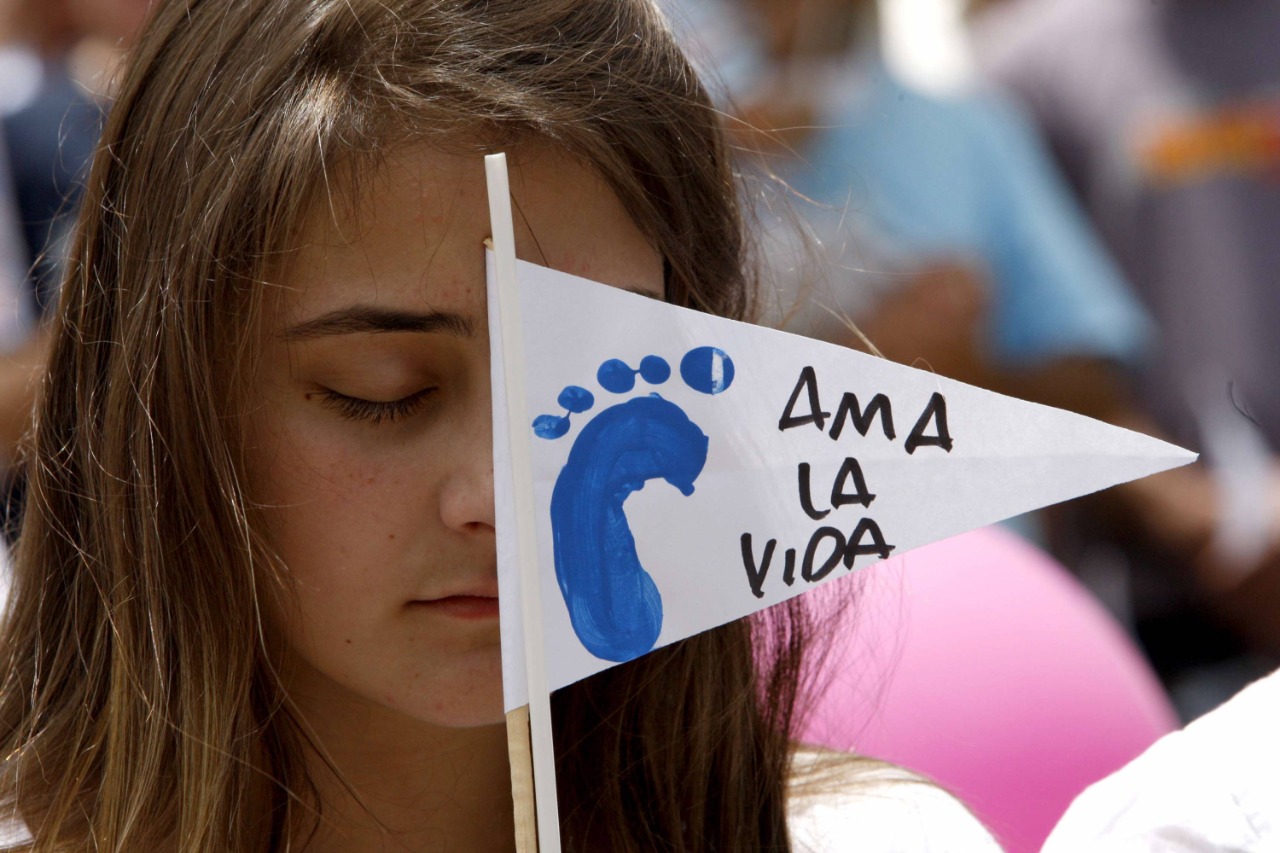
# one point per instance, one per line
(982, 664)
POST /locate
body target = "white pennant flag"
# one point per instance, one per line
(690, 470)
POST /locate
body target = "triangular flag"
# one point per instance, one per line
(689, 470)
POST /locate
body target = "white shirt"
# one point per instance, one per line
(1213, 787)
(876, 808)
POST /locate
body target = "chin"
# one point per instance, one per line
(470, 713)
(471, 699)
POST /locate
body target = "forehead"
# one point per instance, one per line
(410, 233)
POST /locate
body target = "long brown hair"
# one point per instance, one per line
(137, 710)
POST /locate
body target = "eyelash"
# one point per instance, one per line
(356, 409)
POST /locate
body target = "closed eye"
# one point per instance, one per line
(370, 411)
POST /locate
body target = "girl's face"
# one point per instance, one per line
(370, 437)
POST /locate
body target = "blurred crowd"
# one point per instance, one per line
(1164, 120)
(1086, 224)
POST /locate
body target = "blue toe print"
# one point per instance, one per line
(614, 605)
(707, 369)
(574, 400)
(617, 377)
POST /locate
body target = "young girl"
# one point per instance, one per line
(254, 605)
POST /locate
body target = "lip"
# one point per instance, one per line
(468, 607)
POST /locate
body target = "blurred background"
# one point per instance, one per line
(1070, 201)
(57, 61)
(1074, 202)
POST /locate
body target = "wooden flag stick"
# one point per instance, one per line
(521, 755)
(542, 748)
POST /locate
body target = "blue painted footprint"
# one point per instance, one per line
(614, 605)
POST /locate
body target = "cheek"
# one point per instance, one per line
(359, 531)
(340, 518)
(341, 536)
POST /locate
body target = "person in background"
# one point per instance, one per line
(957, 187)
(967, 254)
(1165, 118)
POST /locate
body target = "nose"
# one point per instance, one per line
(466, 503)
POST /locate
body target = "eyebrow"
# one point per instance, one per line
(367, 319)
